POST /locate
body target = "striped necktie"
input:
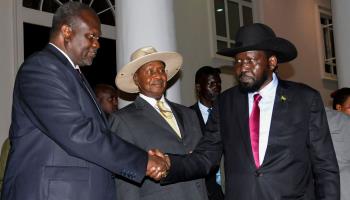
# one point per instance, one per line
(168, 116)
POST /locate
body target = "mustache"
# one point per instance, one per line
(249, 74)
(157, 81)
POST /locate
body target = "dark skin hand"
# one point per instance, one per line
(158, 164)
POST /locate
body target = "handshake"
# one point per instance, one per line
(158, 164)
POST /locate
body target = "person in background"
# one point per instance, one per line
(152, 121)
(273, 133)
(341, 100)
(339, 126)
(107, 97)
(61, 145)
(208, 87)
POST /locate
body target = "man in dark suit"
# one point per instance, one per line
(208, 87)
(61, 146)
(276, 148)
(152, 121)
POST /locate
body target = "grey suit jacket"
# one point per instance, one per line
(143, 126)
(61, 145)
(339, 125)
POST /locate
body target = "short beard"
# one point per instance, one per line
(255, 86)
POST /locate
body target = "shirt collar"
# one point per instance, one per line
(151, 100)
(202, 107)
(269, 89)
(71, 62)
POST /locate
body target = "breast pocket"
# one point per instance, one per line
(66, 183)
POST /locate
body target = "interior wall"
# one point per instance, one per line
(7, 68)
(298, 21)
(193, 23)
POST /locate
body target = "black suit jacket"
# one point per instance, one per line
(299, 163)
(61, 146)
(214, 189)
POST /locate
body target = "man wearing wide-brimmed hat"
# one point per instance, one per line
(273, 133)
(152, 121)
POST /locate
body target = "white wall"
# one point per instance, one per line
(298, 21)
(7, 68)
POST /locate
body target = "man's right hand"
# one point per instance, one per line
(158, 164)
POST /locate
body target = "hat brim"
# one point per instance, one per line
(124, 79)
(285, 51)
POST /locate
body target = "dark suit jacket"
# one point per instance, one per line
(299, 163)
(143, 126)
(61, 146)
(214, 189)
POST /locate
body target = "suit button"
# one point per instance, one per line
(258, 174)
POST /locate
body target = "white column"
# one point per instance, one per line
(145, 23)
(7, 65)
(341, 16)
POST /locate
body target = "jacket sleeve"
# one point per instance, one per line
(54, 103)
(324, 163)
(200, 162)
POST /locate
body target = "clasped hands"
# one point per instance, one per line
(158, 164)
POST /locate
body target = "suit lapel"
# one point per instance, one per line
(280, 110)
(200, 117)
(243, 119)
(80, 77)
(151, 114)
(178, 117)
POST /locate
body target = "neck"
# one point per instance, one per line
(206, 102)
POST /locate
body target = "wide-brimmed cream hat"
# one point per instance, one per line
(124, 79)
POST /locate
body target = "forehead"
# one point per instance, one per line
(153, 64)
(255, 53)
(89, 20)
(210, 77)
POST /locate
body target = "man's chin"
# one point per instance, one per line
(247, 88)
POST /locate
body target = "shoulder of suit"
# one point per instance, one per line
(194, 106)
(127, 109)
(180, 107)
(298, 87)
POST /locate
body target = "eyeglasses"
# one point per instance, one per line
(92, 36)
(247, 61)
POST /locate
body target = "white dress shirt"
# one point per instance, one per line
(204, 111)
(268, 94)
(71, 62)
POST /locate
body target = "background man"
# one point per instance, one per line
(273, 133)
(61, 146)
(152, 121)
(339, 126)
(208, 87)
(107, 97)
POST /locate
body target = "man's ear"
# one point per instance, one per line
(198, 88)
(67, 32)
(272, 62)
(338, 107)
(135, 78)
